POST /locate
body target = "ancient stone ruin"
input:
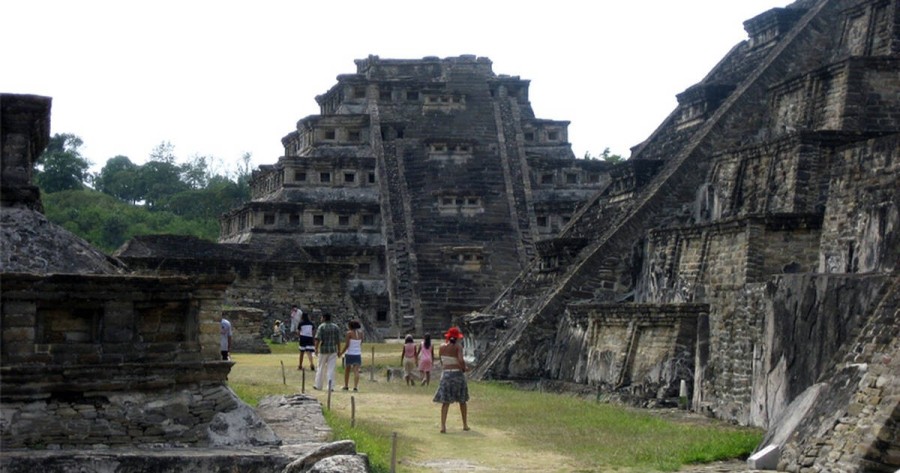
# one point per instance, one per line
(745, 259)
(742, 263)
(431, 180)
(101, 370)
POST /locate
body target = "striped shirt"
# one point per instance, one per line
(329, 336)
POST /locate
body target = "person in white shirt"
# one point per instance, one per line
(307, 343)
(353, 354)
(225, 338)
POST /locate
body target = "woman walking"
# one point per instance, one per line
(453, 387)
(352, 354)
(307, 343)
(425, 352)
(408, 360)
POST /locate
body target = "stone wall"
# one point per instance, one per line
(862, 216)
(636, 352)
(114, 361)
(260, 281)
(249, 330)
(848, 420)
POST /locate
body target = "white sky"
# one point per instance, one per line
(220, 78)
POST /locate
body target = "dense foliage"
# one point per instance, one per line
(126, 199)
(107, 222)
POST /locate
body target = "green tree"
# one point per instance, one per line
(164, 152)
(195, 173)
(61, 166)
(611, 158)
(160, 180)
(120, 178)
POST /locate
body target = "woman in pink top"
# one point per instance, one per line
(425, 351)
(409, 358)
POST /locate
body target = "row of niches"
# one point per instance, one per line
(465, 205)
(87, 323)
(333, 177)
(566, 177)
(390, 95)
(316, 221)
(549, 135)
(331, 135)
(270, 182)
(321, 219)
(465, 258)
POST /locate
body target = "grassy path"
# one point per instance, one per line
(511, 430)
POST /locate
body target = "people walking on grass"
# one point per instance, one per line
(352, 354)
(452, 387)
(307, 344)
(328, 345)
(296, 315)
(425, 352)
(409, 360)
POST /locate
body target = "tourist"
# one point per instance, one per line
(296, 315)
(452, 387)
(408, 360)
(307, 344)
(425, 352)
(353, 354)
(226, 338)
(276, 333)
(328, 345)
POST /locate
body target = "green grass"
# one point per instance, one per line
(623, 437)
(511, 429)
(373, 439)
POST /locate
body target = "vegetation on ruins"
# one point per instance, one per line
(511, 428)
(125, 199)
(606, 155)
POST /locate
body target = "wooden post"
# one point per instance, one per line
(394, 452)
(329, 394)
(352, 411)
(372, 366)
(283, 376)
(303, 381)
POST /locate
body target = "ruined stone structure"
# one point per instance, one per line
(266, 279)
(755, 257)
(102, 371)
(431, 178)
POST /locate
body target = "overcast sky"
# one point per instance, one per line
(220, 78)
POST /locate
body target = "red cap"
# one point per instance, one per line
(453, 333)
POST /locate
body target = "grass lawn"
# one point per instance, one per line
(512, 430)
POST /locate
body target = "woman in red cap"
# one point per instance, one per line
(453, 387)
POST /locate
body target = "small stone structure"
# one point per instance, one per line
(268, 279)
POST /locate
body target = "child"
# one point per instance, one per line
(425, 352)
(409, 360)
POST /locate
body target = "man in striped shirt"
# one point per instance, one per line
(328, 345)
